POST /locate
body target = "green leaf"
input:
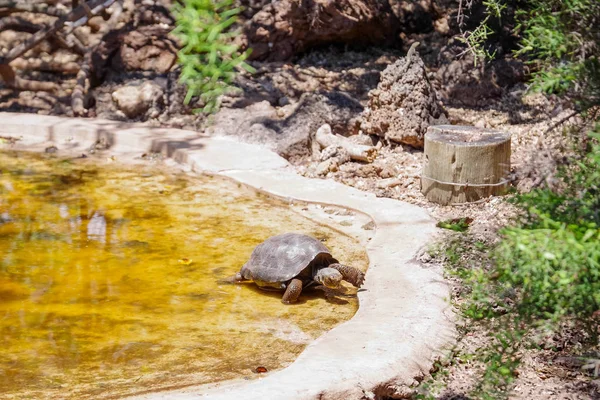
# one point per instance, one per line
(209, 58)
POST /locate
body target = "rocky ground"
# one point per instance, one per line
(326, 70)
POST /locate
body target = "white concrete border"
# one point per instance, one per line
(404, 318)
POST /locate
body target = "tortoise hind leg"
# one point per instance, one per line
(292, 292)
(353, 275)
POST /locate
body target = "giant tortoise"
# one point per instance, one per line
(293, 261)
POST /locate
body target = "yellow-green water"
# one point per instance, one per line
(95, 302)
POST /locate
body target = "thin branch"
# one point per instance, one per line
(77, 17)
(71, 42)
(14, 82)
(11, 6)
(560, 122)
(16, 3)
(79, 95)
(36, 64)
(18, 24)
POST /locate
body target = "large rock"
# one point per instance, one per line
(129, 49)
(147, 48)
(286, 27)
(337, 109)
(289, 135)
(404, 104)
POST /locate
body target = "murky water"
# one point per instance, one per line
(108, 281)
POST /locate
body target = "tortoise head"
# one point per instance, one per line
(329, 277)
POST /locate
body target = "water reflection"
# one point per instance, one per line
(93, 300)
(96, 228)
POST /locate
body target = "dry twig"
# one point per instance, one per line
(76, 17)
(357, 152)
(36, 64)
(8, 7)
(18, 24)
(79, 95)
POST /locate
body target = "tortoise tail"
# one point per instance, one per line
(232, 279)
(351, 274)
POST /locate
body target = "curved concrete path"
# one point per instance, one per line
(404, 318)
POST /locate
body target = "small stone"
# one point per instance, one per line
(344, 212)
(328, 152)
(426, 257)
(135, 100)
(327, 166)
(340, 154)
(369, 226)
(145, 48)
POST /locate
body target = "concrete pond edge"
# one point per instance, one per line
(404, 321)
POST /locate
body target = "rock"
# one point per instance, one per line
(327, 166)
(284, 28)
(369, 226)
(246, 124)
(136, 100)
(283, 101)
(147, 49)
(404, 104)
(312, 111)
(424, 256)
(290, 136)
(480, 124)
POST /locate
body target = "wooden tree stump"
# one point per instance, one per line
(463, 164)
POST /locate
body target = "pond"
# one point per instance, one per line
(109, 280)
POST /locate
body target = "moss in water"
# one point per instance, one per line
(108, 280)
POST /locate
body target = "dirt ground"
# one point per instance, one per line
(279, 92)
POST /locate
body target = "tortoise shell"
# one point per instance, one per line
(283, 257)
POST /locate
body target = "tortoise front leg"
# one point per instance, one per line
(353, 275)
(292, 292)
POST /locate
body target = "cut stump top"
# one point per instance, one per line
(466, 135)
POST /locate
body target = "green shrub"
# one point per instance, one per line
(544, 272)
(555, 268)
(457, 224)
(578, 203)
(561, 40)
(208, 57)
(554, 256)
